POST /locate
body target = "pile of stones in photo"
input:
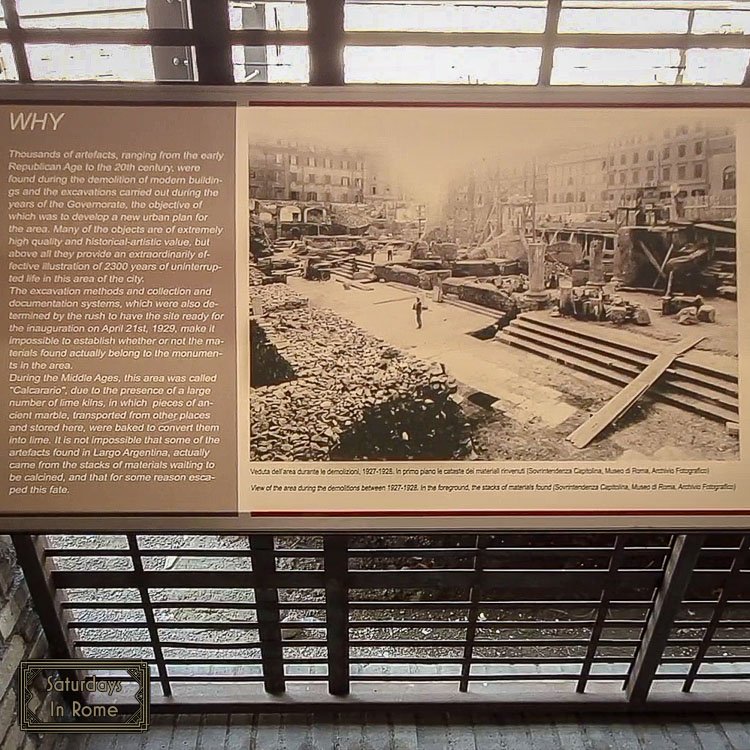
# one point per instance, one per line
(346, 395)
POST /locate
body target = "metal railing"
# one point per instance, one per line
(287, 621)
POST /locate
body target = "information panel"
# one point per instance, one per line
(119, 315)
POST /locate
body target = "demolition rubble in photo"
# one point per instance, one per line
(568, 295)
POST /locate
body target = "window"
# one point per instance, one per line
(311, 177)
(327, 197)
(698, 170)
(636, 175)
(611, 161)
(294, 195)
(278, 193)
(623, 159)
(636, 156)
(569, 198)
(252, 174)
(344, 164)
(293, 159)
(358, 182)
(611, 180)
(328, 163)
(698, 148)
(312, 196)
(344, 182)
(326, 179)
(374, 190)
(279, 158)
(681, 172)
(582, 197)
(665, 153)
(681, 150)
(623, 177)
(729, 179)
(650, 155)
(682, 130)
(650, 175)
(360, 166)
(666, 173)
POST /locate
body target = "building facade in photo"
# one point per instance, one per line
(293, 171)
(695, 160)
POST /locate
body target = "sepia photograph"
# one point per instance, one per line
(493, 284)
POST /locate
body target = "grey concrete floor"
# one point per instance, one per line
(429, 731)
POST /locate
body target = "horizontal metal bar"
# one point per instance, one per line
(517, 578)
(218, 645)
(494, 624)
(150, 37)
(491, 643)
(218, 678)
(709, 676)
(188, 604)
(524, 39)
(53, 552)
(707, 660)
(494, 551)
(273, 37)
(176, 579)
(179, 625)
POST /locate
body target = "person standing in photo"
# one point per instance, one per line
(417, 307)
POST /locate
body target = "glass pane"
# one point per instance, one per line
(2, 17)
(722, 22)
(418, 16)
(83, 14)
(92, 62)
(716, 67)
(285, 64)
(615, 67)
(410, 64)
(290, 16)
(8, 70)
(618, 20)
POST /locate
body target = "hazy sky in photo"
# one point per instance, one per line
(428, 147)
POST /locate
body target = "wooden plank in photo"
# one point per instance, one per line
(619, 404)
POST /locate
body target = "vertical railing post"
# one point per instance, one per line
(336, 564)
(326, 34)
(148, 614)
(475, 595)
(607, 594)
(677, 574)
(213, 49)
(268, 612)
(554, 8)
(170, 63)
(730, 585)
(46, 600)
